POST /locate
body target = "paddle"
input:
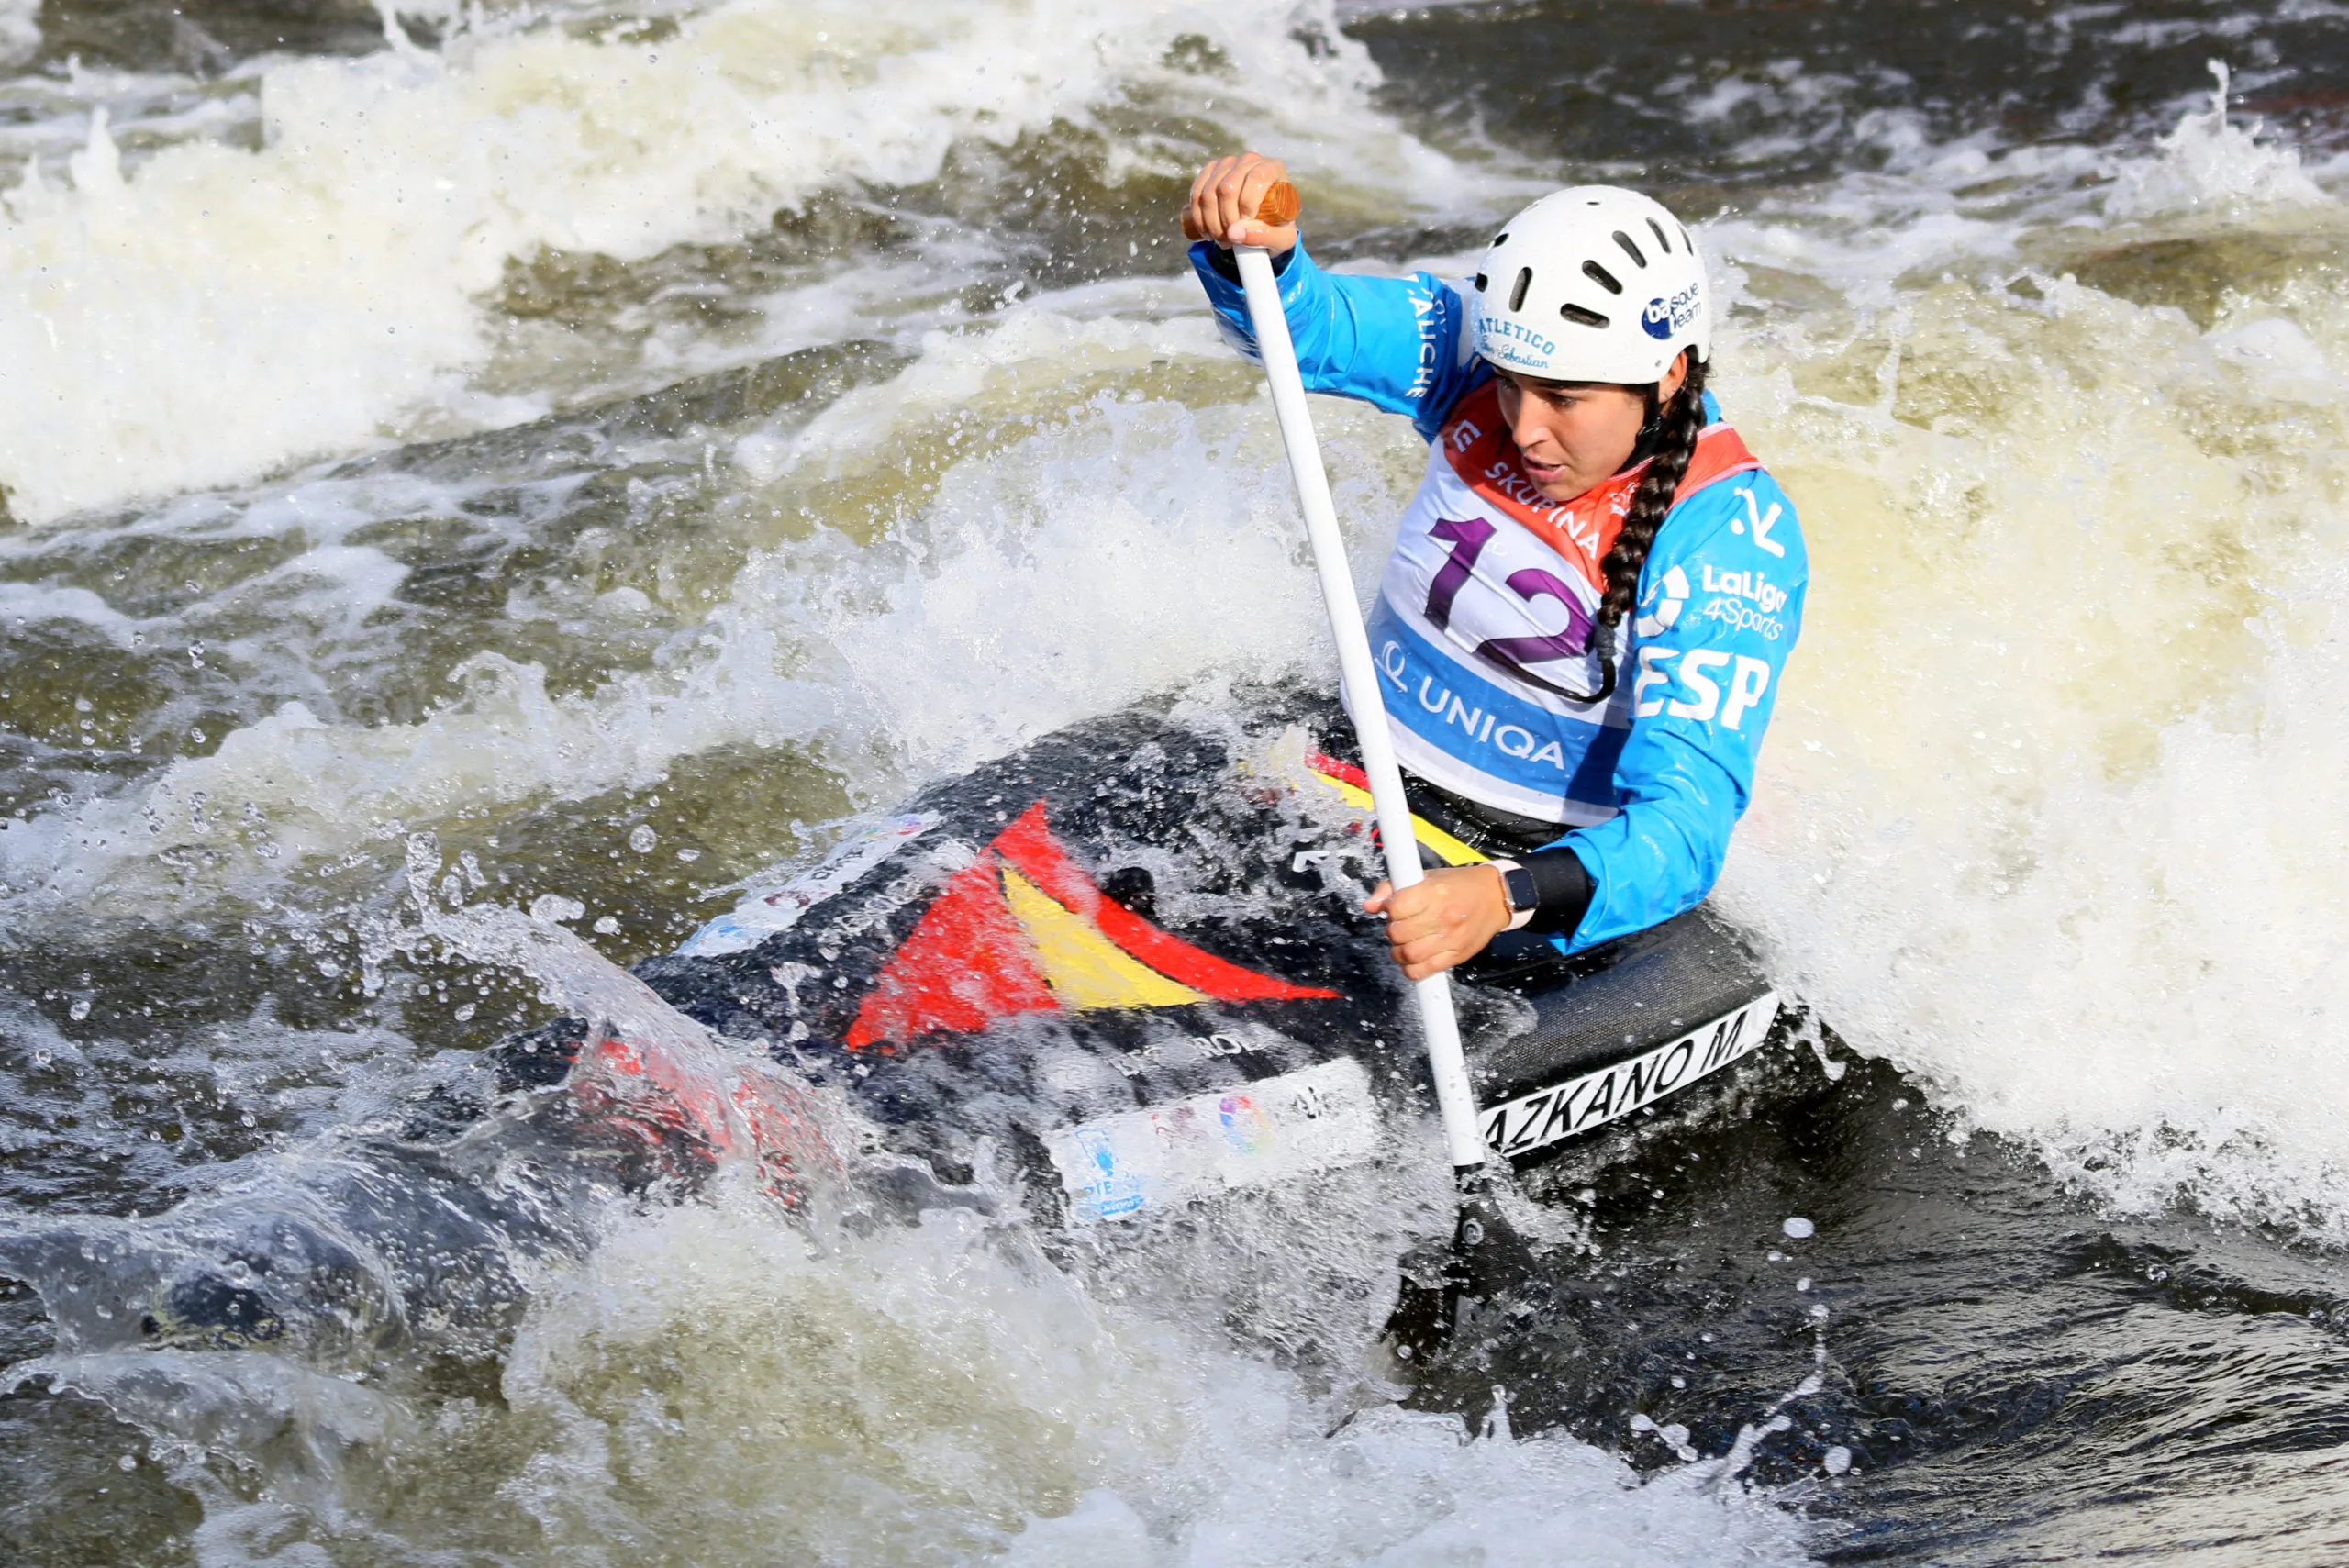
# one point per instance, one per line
(1486, 1255)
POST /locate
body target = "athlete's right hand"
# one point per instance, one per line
(1224, 199)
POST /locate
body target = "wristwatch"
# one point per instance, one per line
(1517, 888)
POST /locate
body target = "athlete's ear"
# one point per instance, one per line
(1674, 379)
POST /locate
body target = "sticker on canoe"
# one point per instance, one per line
(1535, 1120)
(1023, 929)
(762, 915)
(1273, 1129)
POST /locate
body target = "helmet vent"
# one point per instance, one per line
(1631, 249)
(1481, 283)
(1502, 237)
(1524, 282)
(1657, 230)
(1691, 244)
(1582, 318)
(1601, 277)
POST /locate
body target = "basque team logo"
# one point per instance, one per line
(1663, 318)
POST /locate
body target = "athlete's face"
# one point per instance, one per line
(1572, 434)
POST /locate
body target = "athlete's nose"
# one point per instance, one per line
(1526, 428)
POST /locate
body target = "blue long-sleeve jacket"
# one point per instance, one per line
(1652, 780)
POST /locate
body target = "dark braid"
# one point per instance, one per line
(1668, 441)
(1673, 442)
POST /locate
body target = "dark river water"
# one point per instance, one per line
(581, 456)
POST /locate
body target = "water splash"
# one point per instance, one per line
(2212, 169)
(643, 1066)
(2033, 822)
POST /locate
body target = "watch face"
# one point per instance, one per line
(1517, 884)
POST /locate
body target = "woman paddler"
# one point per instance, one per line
(1579, 478)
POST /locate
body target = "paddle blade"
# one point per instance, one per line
(1445, 1289)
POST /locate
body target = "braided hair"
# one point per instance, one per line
(1668, 441)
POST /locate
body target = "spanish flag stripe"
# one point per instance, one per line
(1028, 845)
(1355, 785)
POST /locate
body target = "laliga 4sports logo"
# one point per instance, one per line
(1663, 316)
(1660, 610)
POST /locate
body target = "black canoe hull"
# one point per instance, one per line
(1131, 955)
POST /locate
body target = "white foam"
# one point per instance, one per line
(2209, 166)
(23, 602)
(2281, 358)
(219, 312)
(938, 1396)
(19, 30)
(2039, 816)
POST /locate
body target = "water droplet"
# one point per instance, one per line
(80, 1010)
(1800, 1229)
(1837, 1460)
(466, 1011)
(552, 908)
(689, 856)
(606, 926)
(641, 839)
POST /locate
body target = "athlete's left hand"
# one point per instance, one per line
(1443, 920)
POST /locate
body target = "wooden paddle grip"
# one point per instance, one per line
(1281, 205)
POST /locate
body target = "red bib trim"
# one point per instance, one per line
(1477, 442)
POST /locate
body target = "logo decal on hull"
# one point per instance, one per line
(1022, 929)
(1273, 1130)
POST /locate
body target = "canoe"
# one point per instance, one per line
(1131, 957)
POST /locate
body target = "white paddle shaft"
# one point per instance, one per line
(1455, 1098)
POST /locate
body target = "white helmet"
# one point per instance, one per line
(1593, 283)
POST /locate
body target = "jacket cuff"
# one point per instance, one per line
(1227, 265)
(1561, 891)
